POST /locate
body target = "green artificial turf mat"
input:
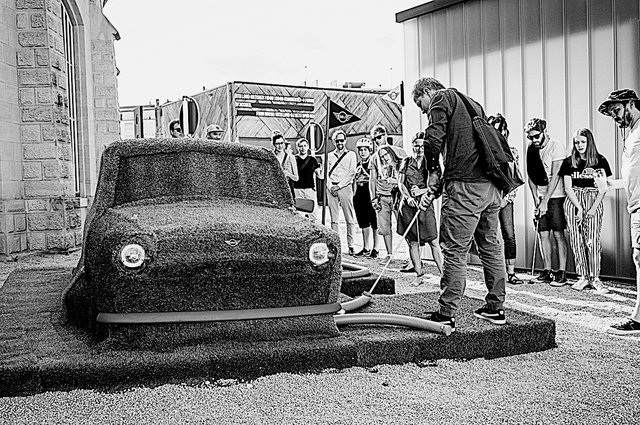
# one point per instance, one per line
(38, 353)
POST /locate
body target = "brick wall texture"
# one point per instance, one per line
(40, 208)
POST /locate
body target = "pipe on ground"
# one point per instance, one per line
(356, 303)
(355, 270)
(391, 319)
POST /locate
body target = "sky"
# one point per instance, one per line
(173, 48)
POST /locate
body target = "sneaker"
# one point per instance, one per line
(408, 269)
(417, 282)
(559, 278)
(545, 276)
(599, 287)
(440, 318)
(494, 316)
(362, 253)
(582, 283)
(628, 327)
(514, 280)
(374, 253)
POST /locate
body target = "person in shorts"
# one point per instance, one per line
(544, 159)
(383, 183)
(365, 214)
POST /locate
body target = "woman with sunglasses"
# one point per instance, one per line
(583, 207)
(417, 176)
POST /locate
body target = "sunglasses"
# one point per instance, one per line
(378, 137)
(177, 129)
(340, 140)
(535, 137)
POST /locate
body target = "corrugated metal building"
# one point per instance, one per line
(556, 59)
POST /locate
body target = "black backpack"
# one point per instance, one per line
(495, 154)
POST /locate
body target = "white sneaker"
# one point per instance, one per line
(582, 283)
(600, 288)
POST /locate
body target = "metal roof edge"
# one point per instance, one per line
(425, 8)
(354, 90)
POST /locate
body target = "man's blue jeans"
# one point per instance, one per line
(470, 210)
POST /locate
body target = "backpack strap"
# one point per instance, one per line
(472, 112)
(337, 162)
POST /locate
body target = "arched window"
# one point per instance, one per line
(68, 37)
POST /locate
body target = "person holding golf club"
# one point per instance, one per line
(470, 202)
(583, 207)
(623, 106)
(417, 176)
(544, 158)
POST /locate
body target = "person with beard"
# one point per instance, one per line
(544, 158)
(624, 107)
(418, 176)
(583, 207)
(470, 202)
(365, 214)
(308, 169)
(341, 172)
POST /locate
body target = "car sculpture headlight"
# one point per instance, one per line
(319, 253)
(132, 256)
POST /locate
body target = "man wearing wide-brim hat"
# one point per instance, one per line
(624, 107)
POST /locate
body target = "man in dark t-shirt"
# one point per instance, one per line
(308, 168)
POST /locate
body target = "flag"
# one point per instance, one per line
(339, 116)
(395, 95)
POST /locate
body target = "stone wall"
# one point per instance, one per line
(41, 209)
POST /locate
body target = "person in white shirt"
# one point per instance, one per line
(544, 158)
(286, 160)
(624, 107)
(341, 165)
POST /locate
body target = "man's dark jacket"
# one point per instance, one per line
(450, 132)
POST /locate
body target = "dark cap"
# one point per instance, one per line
(537, 124)
(617, 96)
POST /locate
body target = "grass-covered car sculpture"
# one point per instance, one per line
(192, 240)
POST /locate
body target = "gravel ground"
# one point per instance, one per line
(591, 378)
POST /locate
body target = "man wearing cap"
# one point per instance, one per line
(544, 159)
(624, 107)
(470, 202)
(213, 132)
(341, 172)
